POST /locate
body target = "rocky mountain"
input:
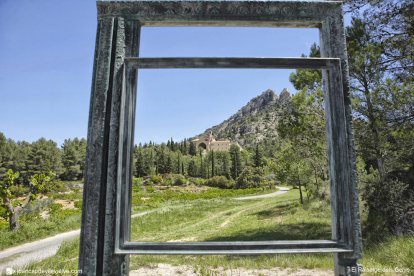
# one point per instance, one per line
(255, 122)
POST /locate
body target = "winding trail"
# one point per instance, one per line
(21, 255)
(281, 191)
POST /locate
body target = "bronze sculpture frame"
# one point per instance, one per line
(105, 244)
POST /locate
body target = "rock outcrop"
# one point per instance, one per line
(256, 121)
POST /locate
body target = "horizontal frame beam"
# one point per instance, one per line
(273, 13)
(237, 247)
(242, 63)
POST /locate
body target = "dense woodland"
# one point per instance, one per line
(381, 65)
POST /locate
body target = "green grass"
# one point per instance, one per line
(216, 219)
(390, 253)
(147, 197)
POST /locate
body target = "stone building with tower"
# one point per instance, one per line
(208, 142)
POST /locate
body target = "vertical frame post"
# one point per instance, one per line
(116, 39)
(342, 164)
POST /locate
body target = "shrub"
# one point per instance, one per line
(251, 178)
(156, 179)
(219, 182)
(198, 181)
(78, 204)
(167, 179)
(389, 203)
(180, 180)
(137, 181)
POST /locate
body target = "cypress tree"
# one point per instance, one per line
(185, 146)
(258, 157)
(172, 144)
(192, 168)
(212, 164)
(179, 163)
(193, 150)
(235, 161)
(168, 165)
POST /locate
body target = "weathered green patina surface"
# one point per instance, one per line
(105, 241)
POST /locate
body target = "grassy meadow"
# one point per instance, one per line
(204, 216)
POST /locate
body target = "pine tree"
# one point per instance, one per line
(235, 168)
(140, 164)
(44, 157)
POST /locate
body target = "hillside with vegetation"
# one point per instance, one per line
(256, 122)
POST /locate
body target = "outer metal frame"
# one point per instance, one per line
(104, 248)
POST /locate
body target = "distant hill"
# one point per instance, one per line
(255, 122)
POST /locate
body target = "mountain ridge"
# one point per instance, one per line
(254, 122)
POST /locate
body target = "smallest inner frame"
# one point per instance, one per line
(126, 148)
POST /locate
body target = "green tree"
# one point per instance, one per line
(168, 164)
(390, 24)
(14, 206)
(44, 157)
(258, 156)
(192, 168)
(236, 166)
(192, 150)
(366, 74)
(384, 127)
(251, 178)
(309, 79)
(213, 168)
(223, 164)
(73, 158)
(381, 71)
(140, 164)
(14, 156)
(303, 129)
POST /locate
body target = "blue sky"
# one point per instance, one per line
(46, 56)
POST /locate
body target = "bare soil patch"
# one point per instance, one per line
(167, 269)
(66, 204)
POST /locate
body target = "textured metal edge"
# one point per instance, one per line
(343, 246)
(222, 13)
(230, 62)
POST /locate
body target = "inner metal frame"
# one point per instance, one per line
(127, 120)
(126, 18)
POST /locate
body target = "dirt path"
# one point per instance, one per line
(281, 191)
(27, 253)
(34, 251)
